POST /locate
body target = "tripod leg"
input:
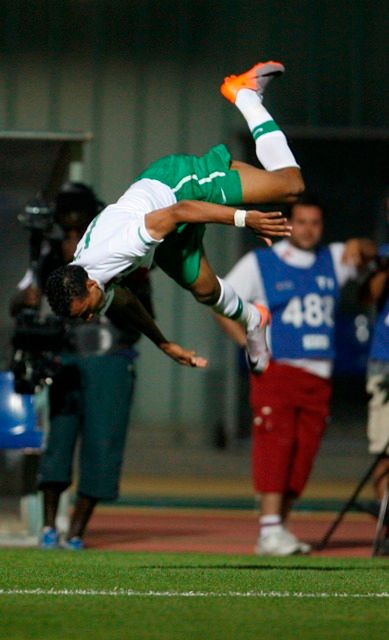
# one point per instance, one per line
(323, 543)
(380, 523)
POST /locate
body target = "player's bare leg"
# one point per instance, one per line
(258, 185)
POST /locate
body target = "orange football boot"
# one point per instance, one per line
(265, 315)
(256, 79)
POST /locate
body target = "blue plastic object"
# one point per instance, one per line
(74, 544)
(18, 419)
(49, 539)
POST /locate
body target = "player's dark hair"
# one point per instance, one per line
(63, 286)
(306, 199)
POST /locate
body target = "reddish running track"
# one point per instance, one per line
(178, 530)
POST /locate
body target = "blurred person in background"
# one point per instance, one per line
(299, 281)
(376, 291)
(92, 391)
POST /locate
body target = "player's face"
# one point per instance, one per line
(307, 226)
(87, 307)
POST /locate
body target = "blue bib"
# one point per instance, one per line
(380, 342)
(302, 302)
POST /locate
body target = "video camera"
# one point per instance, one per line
(35, 341)
(38, 215)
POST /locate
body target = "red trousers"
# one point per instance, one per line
(290, 407)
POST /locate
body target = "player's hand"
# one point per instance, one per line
(272, 223)
(183, 356)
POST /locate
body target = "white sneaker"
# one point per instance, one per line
(304, 546)
(257, 352)
(282, 543)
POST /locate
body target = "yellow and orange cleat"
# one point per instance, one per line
(256, 79)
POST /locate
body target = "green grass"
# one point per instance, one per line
(219, 613)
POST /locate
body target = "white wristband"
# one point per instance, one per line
(240, 218)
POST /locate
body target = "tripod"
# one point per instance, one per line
(352, 502)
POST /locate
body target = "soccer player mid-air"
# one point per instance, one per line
(162, 217)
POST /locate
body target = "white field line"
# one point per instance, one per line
(189, 594)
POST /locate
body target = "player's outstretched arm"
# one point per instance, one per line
(126, 310)
(163, 221)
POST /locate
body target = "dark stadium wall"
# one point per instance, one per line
(143, 77)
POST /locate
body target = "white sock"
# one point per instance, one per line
(232, 306)
(270, 524)
(271, 145)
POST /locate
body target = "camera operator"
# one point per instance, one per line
(92, 389)
(376, 291)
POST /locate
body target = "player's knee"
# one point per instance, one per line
(207, 296)
(294, 184)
